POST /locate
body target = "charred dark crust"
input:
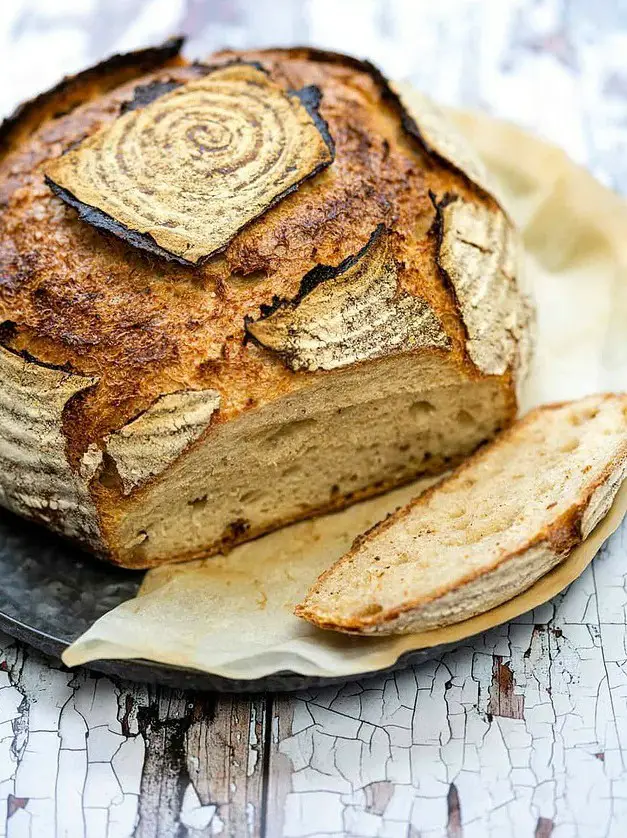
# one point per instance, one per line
(315, 277)
(310, 97)
(437, 231)
(439, 205)
(144, 94)
(321, 273)
(8, 332)
(142, 61)
(107, 224)
(437, 228)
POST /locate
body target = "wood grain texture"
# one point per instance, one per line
(522, 732)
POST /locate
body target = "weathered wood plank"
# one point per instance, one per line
(503, 700)
(278, 765)
(163, 723)
(202, 771)
(224, 757)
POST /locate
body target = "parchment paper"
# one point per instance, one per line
(232, 615)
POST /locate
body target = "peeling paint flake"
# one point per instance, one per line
(503, 700)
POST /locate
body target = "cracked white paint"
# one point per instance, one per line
(62, 750)
(426, 728)
(369, 758)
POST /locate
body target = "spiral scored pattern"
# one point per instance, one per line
(190, 169)
(352, 313)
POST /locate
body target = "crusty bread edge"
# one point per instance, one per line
(507, 576)
(70, 89)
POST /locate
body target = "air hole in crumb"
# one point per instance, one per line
(421, 408)
(370, 610)
(569, 445)
(292, 429)
(251, 495)
(235, 530)
(584, 416)
(552, 505)
(335, 490)
(465, 418)
(458, 513)
(198, 503)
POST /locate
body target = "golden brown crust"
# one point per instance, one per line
(142, 323)
(147, 327)
(560, 537)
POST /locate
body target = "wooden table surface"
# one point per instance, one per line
(521, 733)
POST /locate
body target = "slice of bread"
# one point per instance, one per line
(487, 532)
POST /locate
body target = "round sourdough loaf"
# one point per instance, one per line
(240, 292)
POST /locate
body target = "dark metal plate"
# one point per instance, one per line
(51, 593)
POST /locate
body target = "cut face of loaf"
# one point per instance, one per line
(353, 434)
(499, 522)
